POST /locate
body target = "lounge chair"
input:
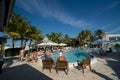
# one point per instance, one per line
(47, 64)
(62, 65)
(83, 64)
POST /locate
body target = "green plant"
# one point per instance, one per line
(12, 52)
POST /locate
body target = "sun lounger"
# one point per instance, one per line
(62, 65)
(83, 64)
(47, 64)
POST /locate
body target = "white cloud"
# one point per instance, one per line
(116, 30)
(112, 5)
(52, 9)
(107, 26)
(24, 5)
(111, 28)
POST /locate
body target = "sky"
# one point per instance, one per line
(71, 16)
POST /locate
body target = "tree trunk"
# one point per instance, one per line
(22, 43)
(2, 47)
(13, 42)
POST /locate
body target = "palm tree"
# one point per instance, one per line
(67, 39)
(34, 34)
(55, 37)
(20, 29)
(100, 33)
(23, 29)
(84, 37)
(12, 28)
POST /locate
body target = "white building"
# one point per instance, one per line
(112, 37)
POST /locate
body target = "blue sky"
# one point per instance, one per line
(71, 16)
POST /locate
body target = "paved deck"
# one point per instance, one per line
(106, 68)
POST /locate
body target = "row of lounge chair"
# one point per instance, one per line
(59, 65)
(64, 65)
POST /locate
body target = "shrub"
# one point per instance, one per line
(12, 52)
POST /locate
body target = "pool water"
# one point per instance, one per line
(73, 55)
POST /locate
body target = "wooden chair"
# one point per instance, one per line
(62, 65)
(47, 64)
(85, 63)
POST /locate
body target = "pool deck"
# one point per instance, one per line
(106, 68)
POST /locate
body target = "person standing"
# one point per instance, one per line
(1, 61)
(21, 53)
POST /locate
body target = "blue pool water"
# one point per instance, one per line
(73, 55)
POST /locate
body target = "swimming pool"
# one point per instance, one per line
(73, 55)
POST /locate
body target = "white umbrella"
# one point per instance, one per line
(42, 44)
(54, 44)
(47, 42)
(62, 44)
(94, 43)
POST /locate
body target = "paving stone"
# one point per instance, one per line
(106, 68)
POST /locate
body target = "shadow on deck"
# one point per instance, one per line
(23, 72)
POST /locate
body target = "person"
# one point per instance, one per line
(49, 58)
(1, 61)
(21, 53)
(61, 57)
(40, 53)
(28, 57)
(110, 50)
(34, 57)
(101, 51)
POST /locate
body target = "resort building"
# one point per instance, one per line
(112, 37)
(112, 40)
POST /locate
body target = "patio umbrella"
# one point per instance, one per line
(62, 44)
(41, 44)
(47, 42)
(99, 41)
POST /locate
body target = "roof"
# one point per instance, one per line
(6, 7)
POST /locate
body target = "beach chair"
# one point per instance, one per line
(48, 64)
(62, 65)
(85, 63)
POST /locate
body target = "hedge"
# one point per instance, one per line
(12, 52)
